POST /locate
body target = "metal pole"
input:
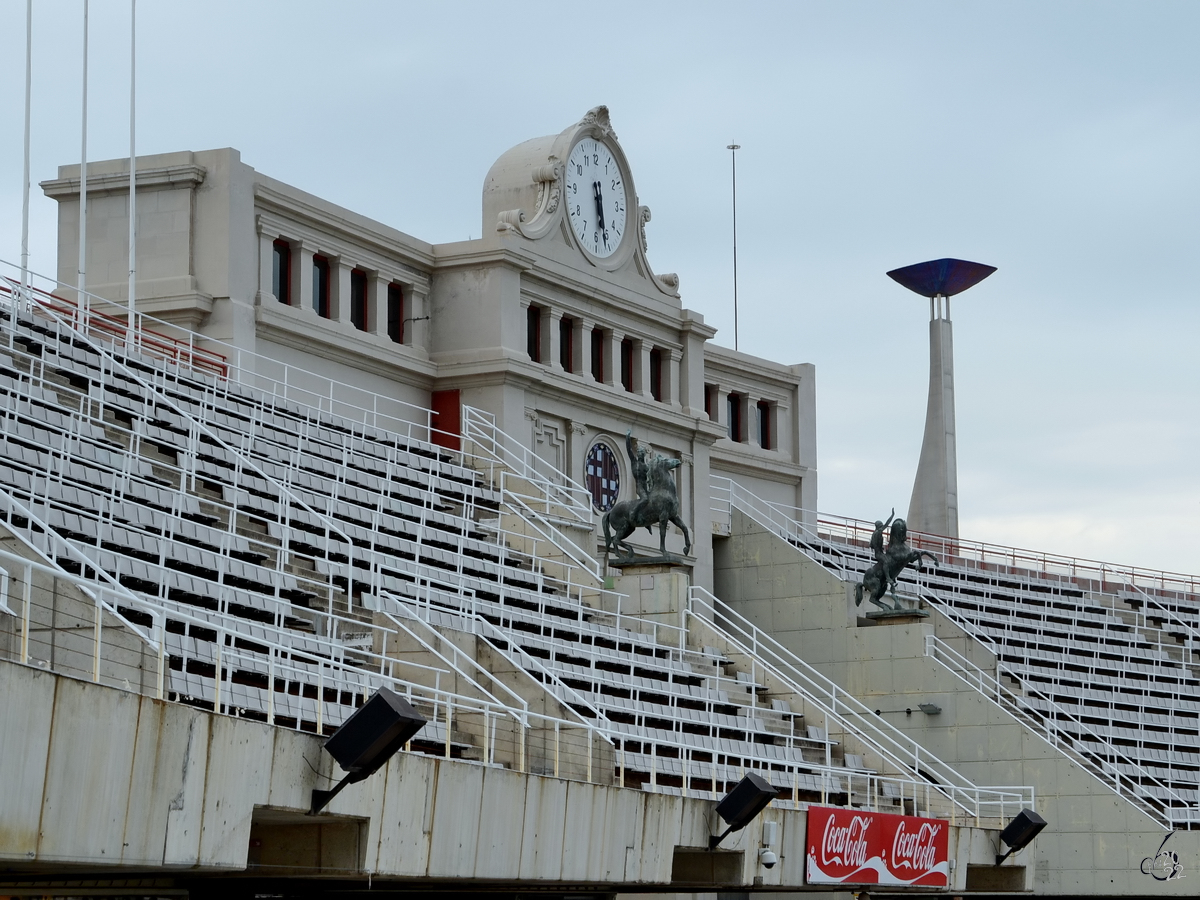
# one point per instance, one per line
(82, 279)
(25, 182)
(733, 149)
(132, 158)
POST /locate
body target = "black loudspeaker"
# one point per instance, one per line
(1018, 833)
(367, 740)
(748, 798)
(369, 737)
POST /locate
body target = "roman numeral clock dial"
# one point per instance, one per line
(595, 192)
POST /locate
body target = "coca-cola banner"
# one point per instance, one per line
(850, 846)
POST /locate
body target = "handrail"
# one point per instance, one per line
(841, 706)
(1109, 775)
(110, 583)
(479, 427)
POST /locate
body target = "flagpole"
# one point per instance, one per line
(82, 279)
(132, 160)
(25, 182)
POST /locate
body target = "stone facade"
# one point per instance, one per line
(566, 349)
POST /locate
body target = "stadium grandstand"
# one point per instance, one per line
(315, 459)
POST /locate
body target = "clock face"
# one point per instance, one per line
(595, 192)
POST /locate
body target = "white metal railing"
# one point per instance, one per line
(1079, 740)
(546, 505)
(842, 545)
(698, 767)
(557, 497)
(852, 715)
(282, 474)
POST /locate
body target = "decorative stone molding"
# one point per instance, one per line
(532, 415)
(669, 280)
(510, 220)
(548, 179)
(578, 428)
(643, 218)
(118, 182)
(598, 118)
(687, 459)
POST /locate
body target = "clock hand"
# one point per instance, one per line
(599, 203)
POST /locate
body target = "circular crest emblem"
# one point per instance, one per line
(602, 476)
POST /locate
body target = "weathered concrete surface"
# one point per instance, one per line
(1095, 842)
(106, 779)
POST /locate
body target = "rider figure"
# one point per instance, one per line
(637, 462)
(877, 536)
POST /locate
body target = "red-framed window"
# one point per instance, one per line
(358, 299)
(735, 418)
(656, 378)
(598, 354)
(627, 364)
(566, 343)
(395, 313)
(533, 333)
(765, 437)
(281, 271)
(320, 288)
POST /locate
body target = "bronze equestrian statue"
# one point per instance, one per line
(659, 506)
(882, 576)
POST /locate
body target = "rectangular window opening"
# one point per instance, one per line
(598, 354)
(656, 374)
(710, 401)
(735, 417)
(627, 364)
(533, 336)
(566, 343)
(358, 299)
(320, 296)
(395, 313)
(281, 272)
(764, 425)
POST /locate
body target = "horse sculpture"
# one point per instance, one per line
(660, 506)
(881, 578)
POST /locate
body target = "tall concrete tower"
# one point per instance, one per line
(934, 504)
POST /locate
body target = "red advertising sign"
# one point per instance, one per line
(851, 846)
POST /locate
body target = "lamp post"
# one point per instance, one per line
(733, 149)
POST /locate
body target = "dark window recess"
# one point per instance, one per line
(710, 395)
(598, 354)
(533, 333)
(320, 297)
(656, 374)
(764, 424)
(627, 364)
(281, 272)
(358, 299)
(566, 343)
(735, 417)
(395, 313)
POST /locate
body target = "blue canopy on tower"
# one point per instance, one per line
(941, 276)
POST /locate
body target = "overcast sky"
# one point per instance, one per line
(1058, 141)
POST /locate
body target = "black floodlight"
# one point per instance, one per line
(1020, 832)
(941, 277)
(748, 798)
(368, 739)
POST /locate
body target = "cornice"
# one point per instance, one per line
(447, 257)
(161, 178)
(413, 251)
(769, 466)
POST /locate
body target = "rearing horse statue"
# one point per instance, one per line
(883, 575)
(660, 506)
